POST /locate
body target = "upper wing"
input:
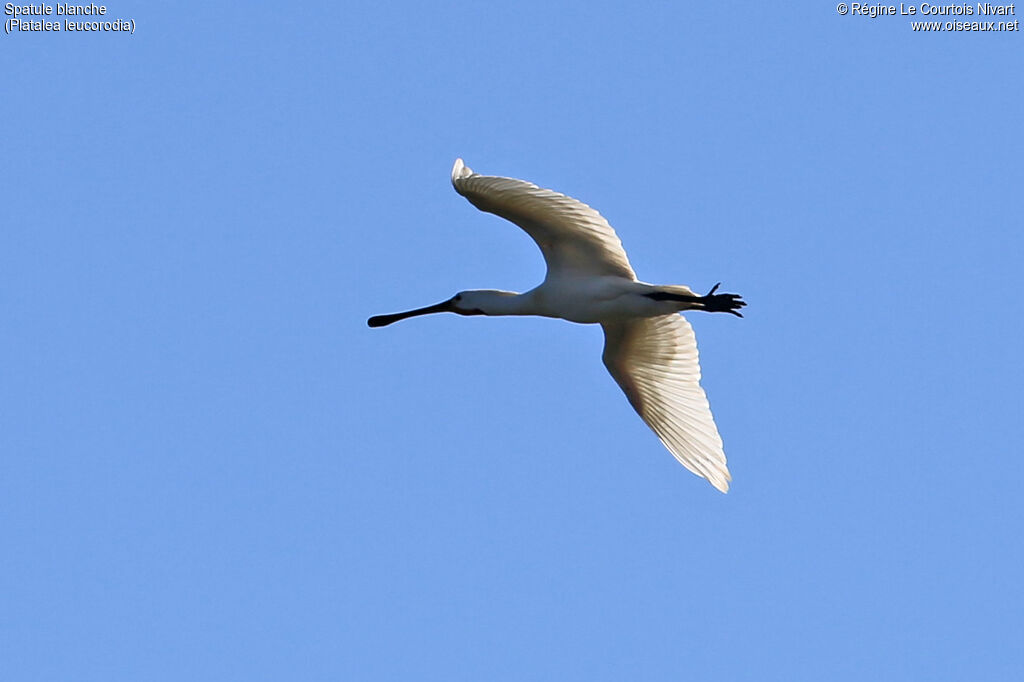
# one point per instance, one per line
(655, 362)
(573, 237)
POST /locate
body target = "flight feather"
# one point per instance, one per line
(654, 360)
(574, 238)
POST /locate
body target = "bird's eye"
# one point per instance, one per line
(458, 297)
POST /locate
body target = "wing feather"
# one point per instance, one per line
(654, 360)
(574, 238)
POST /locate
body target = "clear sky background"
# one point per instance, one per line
(213, 470)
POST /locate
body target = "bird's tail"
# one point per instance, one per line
(673, 292)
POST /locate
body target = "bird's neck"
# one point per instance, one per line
(505, 303)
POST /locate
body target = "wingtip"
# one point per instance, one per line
(460, 170)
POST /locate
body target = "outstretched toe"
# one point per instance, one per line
(722, 303)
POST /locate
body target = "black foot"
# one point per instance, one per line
(722, 303)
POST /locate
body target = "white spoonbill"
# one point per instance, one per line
(649, 349)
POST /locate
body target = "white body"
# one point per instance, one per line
(593, 300)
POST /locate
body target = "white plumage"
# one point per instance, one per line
(575, 239)
(655, 361)
(650, 350)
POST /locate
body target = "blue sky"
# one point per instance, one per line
(212, 469)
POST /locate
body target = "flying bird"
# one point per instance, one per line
(649, 348)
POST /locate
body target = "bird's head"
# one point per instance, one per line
(473, 302)
(481, 302)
